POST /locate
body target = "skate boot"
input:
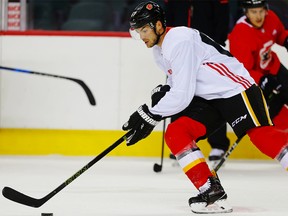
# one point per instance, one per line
(171, 156)
(174, 160)
(214, 157)
(211, 199)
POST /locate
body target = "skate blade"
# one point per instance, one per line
(220, 206)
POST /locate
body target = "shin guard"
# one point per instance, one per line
(194, 166)
(180, 137)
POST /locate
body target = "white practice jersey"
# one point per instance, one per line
(196, 66)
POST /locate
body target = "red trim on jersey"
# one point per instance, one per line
(224, 71)
(168, 28)
(241, 79)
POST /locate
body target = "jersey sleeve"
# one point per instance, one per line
(182, 80)
(282, 32)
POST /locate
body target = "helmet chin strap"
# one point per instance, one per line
(158, 35)
(152, 25)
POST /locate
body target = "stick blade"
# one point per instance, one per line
(21, 198)
(87, 91)
(157, 168)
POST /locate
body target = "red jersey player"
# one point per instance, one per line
(250, 42)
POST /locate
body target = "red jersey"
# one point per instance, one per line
(252, 46)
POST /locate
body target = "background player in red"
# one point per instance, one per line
(251, 41)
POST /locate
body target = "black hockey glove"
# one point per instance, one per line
(141, 123)
(158, 93)
(270, 87)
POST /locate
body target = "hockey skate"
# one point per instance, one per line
(174, 160)
(211, 200)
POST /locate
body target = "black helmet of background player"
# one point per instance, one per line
(147, 13)
(254, 4)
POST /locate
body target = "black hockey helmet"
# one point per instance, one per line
(254, 4)
(147, 13)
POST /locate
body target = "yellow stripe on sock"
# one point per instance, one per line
(193, 164)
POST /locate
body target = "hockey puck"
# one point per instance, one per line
(46, 214)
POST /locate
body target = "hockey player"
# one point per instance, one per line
(250, 42)
(208, 87)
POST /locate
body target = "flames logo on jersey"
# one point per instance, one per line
(149, 6)
(265, 54)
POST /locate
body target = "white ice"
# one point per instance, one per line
(121, 186)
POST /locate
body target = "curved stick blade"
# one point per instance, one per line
(157, 168)
(21, 198)
(86, 89)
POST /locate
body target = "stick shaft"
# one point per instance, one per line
(21, 198)
(80, 82)
(226, 155)
(163, 141)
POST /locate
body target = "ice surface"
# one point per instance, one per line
(128, 186)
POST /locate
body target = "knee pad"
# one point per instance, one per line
(182, 133)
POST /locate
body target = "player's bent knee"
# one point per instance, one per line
(182, 133)
(268, 140)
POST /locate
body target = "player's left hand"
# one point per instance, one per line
(141, 123)
(270, 86)
(158, 93)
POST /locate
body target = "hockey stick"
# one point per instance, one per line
(21, 198)
(80, 82)
(157, 167)
(226, 155)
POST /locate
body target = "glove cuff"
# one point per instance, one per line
(144, 112)
(156, 89)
